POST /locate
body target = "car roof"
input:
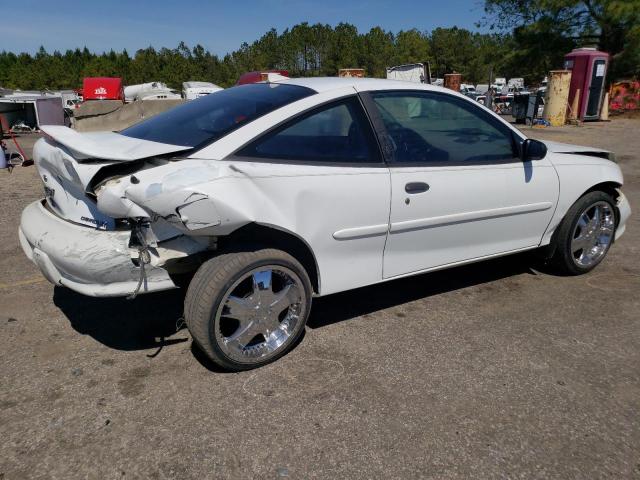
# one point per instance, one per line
(325, 84)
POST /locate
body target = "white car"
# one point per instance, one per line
(274, 193)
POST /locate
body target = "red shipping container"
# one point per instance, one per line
(102, 88)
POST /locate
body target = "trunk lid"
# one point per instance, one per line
(68, 161)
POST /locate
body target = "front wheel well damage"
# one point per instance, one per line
(611, 188)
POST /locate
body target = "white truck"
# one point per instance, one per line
(499, 83)
(516, 82)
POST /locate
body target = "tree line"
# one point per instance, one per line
(303, 50)
(526, 38)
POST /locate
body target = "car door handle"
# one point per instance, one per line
(416, 187)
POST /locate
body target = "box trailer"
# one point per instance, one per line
(411, 72)
(102, 88)
(32, 111)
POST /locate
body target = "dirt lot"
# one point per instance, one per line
(487, 371)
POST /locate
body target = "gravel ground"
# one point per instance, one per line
(492, 370)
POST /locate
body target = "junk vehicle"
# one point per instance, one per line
(165, 94)
(131, 92)
(275, 193)
(193, 90)
(150, 91)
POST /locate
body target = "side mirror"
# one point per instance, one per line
(532, 150)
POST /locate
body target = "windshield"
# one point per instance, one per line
(208, 118)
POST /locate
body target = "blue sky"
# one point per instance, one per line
(220, 26)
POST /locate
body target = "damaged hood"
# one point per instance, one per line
(107, 145)
(557, 147)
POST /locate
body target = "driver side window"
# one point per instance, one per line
(440, 128)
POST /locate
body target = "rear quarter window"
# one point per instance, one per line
(208, 118)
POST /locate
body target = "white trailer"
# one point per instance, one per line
(150, 91)
(193, 90)
(29, 112)
(412, 72)
(516, 82)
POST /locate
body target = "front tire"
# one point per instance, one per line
(585, 234)
(247, 309)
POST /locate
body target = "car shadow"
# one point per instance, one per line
(139, 324)
(155, 320)
(355, 303)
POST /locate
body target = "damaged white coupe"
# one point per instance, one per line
(273, 193)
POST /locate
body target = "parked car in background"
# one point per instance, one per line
(193, 90)
(469, 91)
(278, 192)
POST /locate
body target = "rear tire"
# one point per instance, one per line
(585, 235)
(247, 309)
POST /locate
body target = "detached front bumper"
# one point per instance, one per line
(93, 262)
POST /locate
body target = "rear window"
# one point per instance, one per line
(205, 120)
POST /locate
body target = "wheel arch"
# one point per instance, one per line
(275, 237)
(610, 187)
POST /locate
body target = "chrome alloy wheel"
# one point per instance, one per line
(593, 234)
(259, 313)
